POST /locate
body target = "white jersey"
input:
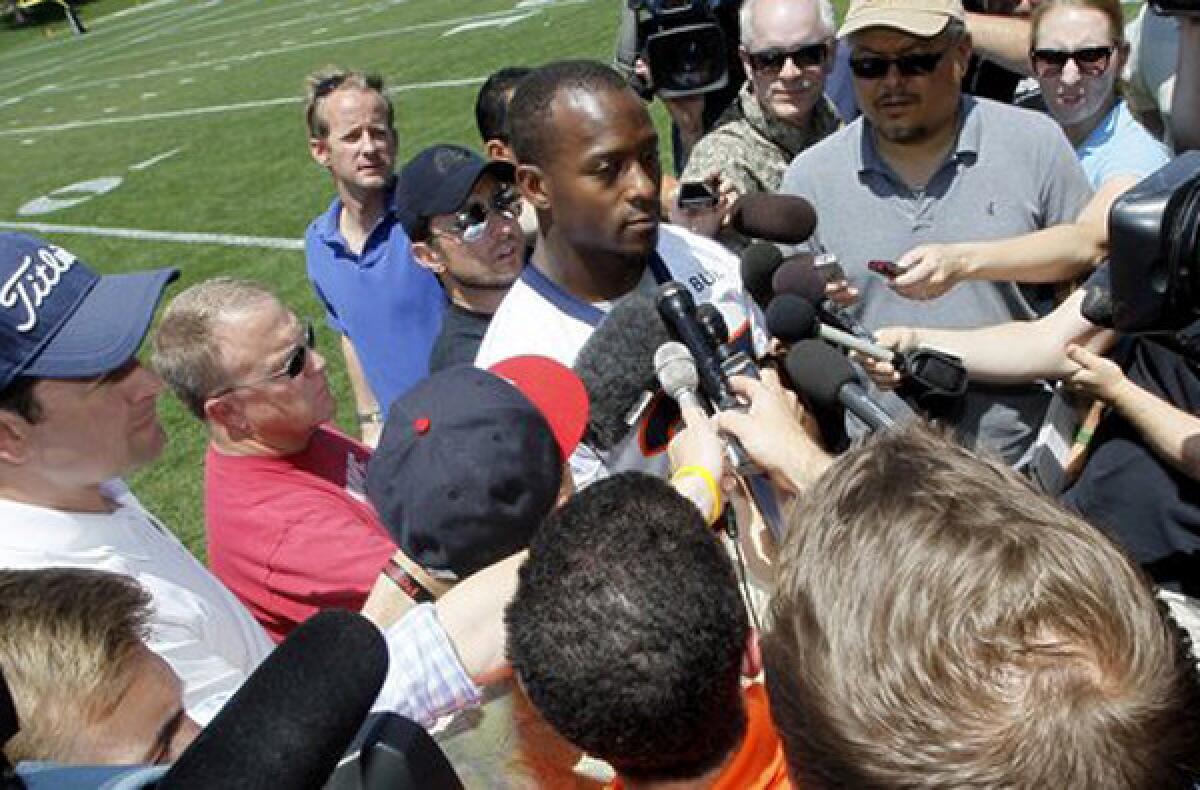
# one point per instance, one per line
(539, 317)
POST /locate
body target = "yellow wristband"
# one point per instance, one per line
(713, 490)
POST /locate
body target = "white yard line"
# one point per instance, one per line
(221, 239)
(218, 108)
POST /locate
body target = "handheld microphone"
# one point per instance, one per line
(759, 263)
(1097, 306)
(785, 219)
(792, 319)
(616, 365)
(828, 378)
(800, 276)
(677, 308)
(291, 721)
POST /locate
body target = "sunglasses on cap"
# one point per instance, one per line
(770, 61)
(470, 223)
(917, 64)
(1091, 61)
(296, 363)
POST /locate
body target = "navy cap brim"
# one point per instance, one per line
(455, 191)
(106, 329)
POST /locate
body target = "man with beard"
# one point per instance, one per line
(461, 213)
(588, 162)
(927, 164)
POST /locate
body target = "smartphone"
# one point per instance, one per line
(887, 268)
(696, 195)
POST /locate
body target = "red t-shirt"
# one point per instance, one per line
(759, 763)
(294, 535)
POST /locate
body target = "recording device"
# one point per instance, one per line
(696, 195)
(801, 277)
(616, 367)
(291, 721)
(394, 753)
(682, 43)
(1176, 7)
(1154, 250)
(887, 269)
(758, 263)
(784, 219)
(827, 378)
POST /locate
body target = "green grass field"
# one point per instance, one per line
(193, 111)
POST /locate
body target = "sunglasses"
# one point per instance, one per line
(1091, 61)
(296, 363)
(770, 61)
(917, 64)
(471, 223)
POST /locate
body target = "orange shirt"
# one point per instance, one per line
(759, 763)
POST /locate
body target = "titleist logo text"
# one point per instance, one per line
(32, 282)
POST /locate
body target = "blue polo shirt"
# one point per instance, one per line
(388, 305)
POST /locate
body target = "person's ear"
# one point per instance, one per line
(14, 438)
(532, 183)
(225, 412)
(752, 665)
(427, 256)
(498, 151)
(744, 56)
(961, 52)
(319, 148)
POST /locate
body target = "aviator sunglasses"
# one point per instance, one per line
(471, 223)
(1091, 61)
(297, 361)
(770, 61)
(917, 64)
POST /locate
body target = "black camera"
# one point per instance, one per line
(1176, 7)
(1154, 250)
(682, 44)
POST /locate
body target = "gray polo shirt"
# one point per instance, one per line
(1012, 171)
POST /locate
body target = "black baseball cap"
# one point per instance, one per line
(439, 180)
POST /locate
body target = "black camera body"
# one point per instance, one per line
(1154, 250)
(683, 45)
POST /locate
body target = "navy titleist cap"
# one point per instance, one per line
(59, 319)
(439, 180)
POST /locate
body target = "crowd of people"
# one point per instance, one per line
(734, 593)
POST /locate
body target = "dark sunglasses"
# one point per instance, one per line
(1091, 61)
(297, 361)
(917, 64)
(471, 223)
(770, 61)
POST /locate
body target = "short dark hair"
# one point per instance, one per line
(938, 623)
(18, 398)
(491, 105)
(627, 630)
(530, 124)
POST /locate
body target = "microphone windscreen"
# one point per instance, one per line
(1097, 306)
(791, 318)
(759, 262)
(676, 368)
(819, 371)
(786, 219)
(291, 721)
(799, 276)
(616, 365)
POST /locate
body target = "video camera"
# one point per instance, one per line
(682, 43)
(1154, 250)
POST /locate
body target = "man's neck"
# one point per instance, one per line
(1079, 132)
(361, 211)
(590, 278)
(484, 301)
(67, 499)
(253, 446)
(917, 161)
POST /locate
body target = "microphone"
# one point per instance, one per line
(799, 276)
(616, 365)
(792, 319)
(291, 721)
(785, 219)
(1097, 306)
(828, 378)
(677, 308)
(759, 262)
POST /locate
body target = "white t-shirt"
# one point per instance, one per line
(538, 317)
(197, 625)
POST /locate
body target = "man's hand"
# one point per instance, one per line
(928, 271)
(841, 292)
(698, 444)
(706, 221)
(898, 338)
(774, 433)
(1097, 376)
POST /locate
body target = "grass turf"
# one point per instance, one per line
(214, 89)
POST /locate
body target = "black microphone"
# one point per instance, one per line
(616, 365)
(291, 721)
(759, 262)
(799, 276)
(828, 378)
(791, 319)
(1097, 306)
(786, 219)
(677, 308)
